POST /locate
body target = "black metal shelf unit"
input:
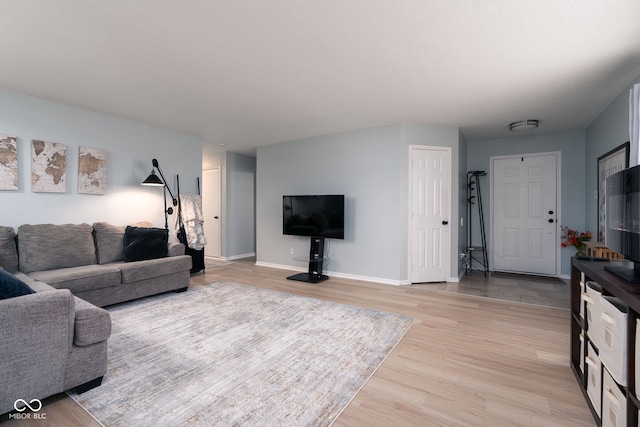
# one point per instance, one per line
(477, 257)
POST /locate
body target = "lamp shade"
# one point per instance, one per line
(153, 179)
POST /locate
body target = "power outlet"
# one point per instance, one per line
(291, 251)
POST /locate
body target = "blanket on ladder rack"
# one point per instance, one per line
(192, 220)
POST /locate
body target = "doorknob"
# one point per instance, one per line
(445, 222)
(550, 219)
(215, 217)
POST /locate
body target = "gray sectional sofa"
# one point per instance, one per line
(89, 261)
(56, 338)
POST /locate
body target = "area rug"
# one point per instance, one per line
(227, 354)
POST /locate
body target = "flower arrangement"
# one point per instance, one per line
(575, 238)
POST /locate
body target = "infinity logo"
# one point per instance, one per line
(34, 408)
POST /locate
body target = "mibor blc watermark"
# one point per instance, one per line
(28, 410)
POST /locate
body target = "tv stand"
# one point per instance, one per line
(590, 368)
(315, 259)
(630, 274)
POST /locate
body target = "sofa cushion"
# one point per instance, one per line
(11, 286)
(148, 269)
(8, 250)
(33, 283)
(80, 279)
(109, 242)
(39, 286)
(92, 325)
(143, 243)
(48, 246)
(26, 279)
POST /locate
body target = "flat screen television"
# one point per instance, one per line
(623, 221)
(314, 215)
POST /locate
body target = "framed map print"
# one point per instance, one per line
(8, 163)
(92, 171)
(48, 167)
(608, 164)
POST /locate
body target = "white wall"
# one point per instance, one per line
(429, 135)
(237, 203)
(463, 213)
(212, 161)
(370, 167)
(240, 206)
(580, 151)
(607, 132)
(572, 147)
(131, 146)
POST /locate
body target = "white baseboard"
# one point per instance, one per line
(280, 266)
(335, 274)
(234, 257)
(370, 279)
(365, 278)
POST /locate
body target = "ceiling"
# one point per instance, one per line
(241, 74)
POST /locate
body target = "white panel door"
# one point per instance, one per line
(524, 229)
(430, 205)
(211, 211)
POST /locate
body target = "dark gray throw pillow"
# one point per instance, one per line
(11, 286)
(142, 243)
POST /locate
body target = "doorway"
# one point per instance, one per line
(525, 213)
(430, 204)
(211, 190)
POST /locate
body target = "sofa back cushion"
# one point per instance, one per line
(109, 242)
(8, 250)
(48, 246)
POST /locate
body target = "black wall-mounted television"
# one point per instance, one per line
(623, 221)
(315, 216)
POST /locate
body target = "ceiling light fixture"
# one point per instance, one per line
(523, 125)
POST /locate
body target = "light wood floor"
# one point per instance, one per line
(466, 361)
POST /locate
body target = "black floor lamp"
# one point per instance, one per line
(155, 180)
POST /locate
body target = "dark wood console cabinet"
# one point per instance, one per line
(593, 271)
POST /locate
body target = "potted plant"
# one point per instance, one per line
(575, 238)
